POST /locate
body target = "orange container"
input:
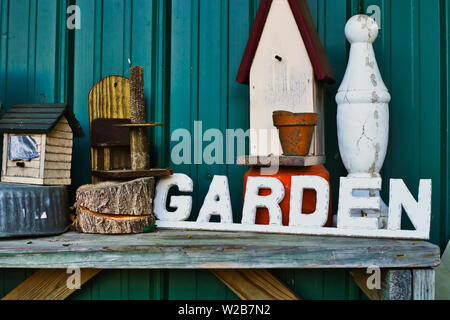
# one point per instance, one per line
(284, 175)
(295, 131)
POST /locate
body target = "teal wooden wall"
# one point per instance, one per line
(191, 50)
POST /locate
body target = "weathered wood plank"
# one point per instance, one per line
(63, 127)
(109, 98)
(130, 174)
(423, 284)
(34, 163)
(214, 250)
(22, 180)
(254, 284)
(57, 165)
(5, 153)
(60, 135)
(57, 182)
(56, 157)
(59, 150)
(59, 142)
(48, 284)
(23, 172)
(56, 173)
(43, 154)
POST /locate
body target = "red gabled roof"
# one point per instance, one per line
(308, 31)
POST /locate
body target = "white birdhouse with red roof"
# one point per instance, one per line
(286, 67)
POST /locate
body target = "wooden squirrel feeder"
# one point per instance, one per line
(119, 137)
(120, 200)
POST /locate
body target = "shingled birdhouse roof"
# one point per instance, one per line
(308, 31)
(38, 119)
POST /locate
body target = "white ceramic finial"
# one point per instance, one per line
(361, 28)
(363, 110)
(362, 81)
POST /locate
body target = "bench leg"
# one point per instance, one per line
(423, 284)
(397, 285)
(409, 284)
(48, 284)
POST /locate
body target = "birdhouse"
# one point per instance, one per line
(37, 144)
(286, 67)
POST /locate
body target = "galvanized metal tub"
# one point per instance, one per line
(29, 210)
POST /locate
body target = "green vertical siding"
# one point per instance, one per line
(33, 61)
(32, 51)
(445, 123)
(191, 51)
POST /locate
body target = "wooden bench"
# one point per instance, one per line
(238, 259)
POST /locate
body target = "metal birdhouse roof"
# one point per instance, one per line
(38, 118)
(308, 31)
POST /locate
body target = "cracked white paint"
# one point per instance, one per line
(363, 109)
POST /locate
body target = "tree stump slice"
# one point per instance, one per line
(131, 198)
(91, 222)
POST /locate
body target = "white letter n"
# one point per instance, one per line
(419, 212)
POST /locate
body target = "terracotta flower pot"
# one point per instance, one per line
(295, 131)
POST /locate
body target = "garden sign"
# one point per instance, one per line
(350, 221)
(363, 131)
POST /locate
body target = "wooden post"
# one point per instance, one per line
(140, 156)
(410, 284)
(423, 284)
